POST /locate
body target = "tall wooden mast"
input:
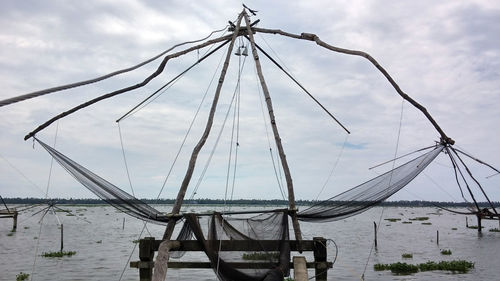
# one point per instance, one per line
(281, 151)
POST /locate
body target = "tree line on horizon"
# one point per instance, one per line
(260, 202)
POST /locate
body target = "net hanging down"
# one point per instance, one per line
(370, 193)
(346, 204)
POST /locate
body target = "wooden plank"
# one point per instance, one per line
(242, 265)
(240, 245)
(299, 269)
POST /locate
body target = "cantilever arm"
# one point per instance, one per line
(97, 79)
(159, 70)
(313, 37)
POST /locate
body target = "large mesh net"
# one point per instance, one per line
(370, 193)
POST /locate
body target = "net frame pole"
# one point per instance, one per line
(281, 151)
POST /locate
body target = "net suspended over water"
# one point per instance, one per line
(348, 203)
(370, 193)
(273, 258)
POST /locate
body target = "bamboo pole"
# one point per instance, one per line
(281, 151)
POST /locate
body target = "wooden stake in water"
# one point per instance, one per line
(375, 232)
(62, 237)
(437, 237)
(123, 224)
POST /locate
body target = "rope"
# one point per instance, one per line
(22, 174)
(51, 162)
(264, 119)
(125, 159)
(169, 84)
(334, 166)
(390, 180)
(207, 163)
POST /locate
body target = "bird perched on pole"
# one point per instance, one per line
(253, 12)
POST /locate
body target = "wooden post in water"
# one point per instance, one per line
(123, 224)
(146, 254)
(479, 223)
(437, 237)
(320, 268)
(375, 233)
(62, 237)
(14, 218)
(279, 145)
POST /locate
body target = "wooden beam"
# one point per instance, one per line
(239, 245)
(242, 265)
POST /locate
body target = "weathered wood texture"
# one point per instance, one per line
(277, 139)
(299, 268)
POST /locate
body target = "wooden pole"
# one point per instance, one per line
(201, 142)
(375, 232)
(14, 218)
(163, 256)
(62, 237)
(321, 269)
(479, 223)
(281, 151)
(437, 237)
(123, 224)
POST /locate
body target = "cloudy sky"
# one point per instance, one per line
(444, 54)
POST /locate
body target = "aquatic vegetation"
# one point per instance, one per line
(99, 242)
(261, 256)
(407, 256)
(494, 230)
(58, 254)
(446, 252)
(419, 219)
(288, 279)
(454, 228)
(407, 222)
(10, 233)
(26, 227)
(392, 219)
(22, 276)
(460, 266)
(474, 227)
(136, 241)
(426, 223)
(400, 268)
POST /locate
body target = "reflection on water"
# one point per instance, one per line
(103, 247)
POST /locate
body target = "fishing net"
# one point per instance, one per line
(370, 193)
(269, 261)
(267, 232)
(105, 190)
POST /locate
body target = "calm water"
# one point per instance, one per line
(103, 247)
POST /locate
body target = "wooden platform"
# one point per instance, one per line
(149, 245)
(10, 213)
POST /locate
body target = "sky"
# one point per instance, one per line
(445, 55)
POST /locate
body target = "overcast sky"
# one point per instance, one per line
(445, 54)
